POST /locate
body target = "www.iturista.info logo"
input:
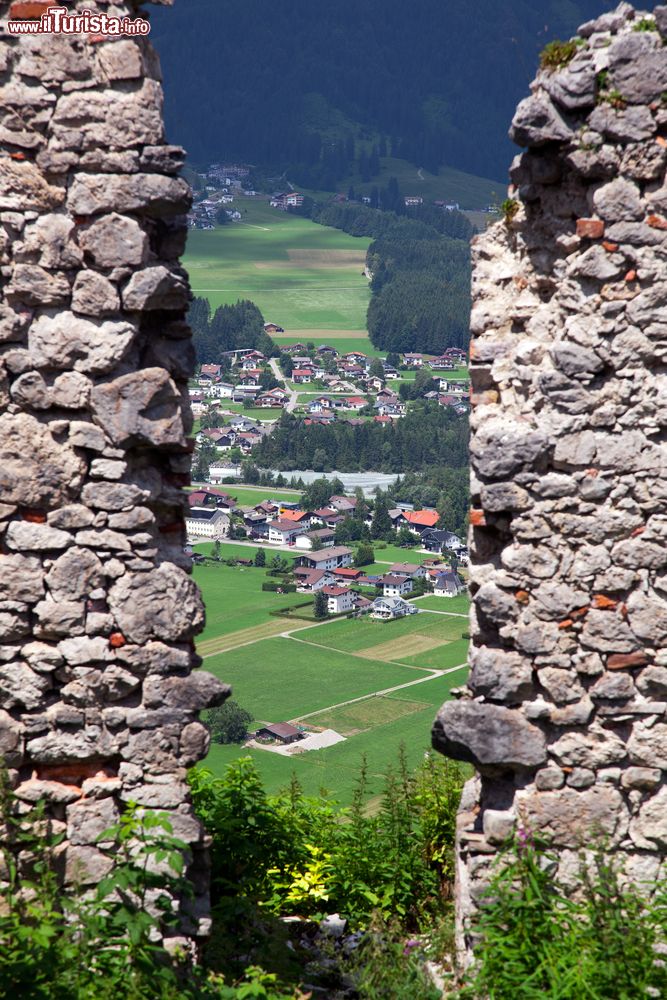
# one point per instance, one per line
(39, 18)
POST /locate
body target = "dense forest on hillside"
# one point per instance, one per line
(430, 435)
(307, 86)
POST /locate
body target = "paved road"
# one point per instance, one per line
(294, 396)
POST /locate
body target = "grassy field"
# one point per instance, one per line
(305, 277)
(389, 640)
(251, 495)
(336, 769)
(234, 597)
(456, 605)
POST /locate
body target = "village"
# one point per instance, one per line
(319, 385)
(322, 567)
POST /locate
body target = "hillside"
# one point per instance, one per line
(278, 81)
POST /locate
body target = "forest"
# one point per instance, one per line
(229, 328)
(429, 435)
(283, 82)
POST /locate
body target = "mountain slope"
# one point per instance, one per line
(441, 76)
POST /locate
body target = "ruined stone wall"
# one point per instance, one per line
(564, 715)
(97, 610)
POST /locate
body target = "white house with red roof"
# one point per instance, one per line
(339, 599)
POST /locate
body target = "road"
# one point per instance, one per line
(290, 406)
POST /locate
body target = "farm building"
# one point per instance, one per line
(281, 731)
(386, 608)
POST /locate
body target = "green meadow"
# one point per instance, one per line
(304, 277)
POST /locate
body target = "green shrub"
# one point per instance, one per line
(645, 24)
(556, 55)
(535, 942)
(509, 208)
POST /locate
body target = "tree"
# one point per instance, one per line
(216, 548)
(278, 565)
(320, 606)
(205, 455)
(316, 544)
(405, 536)
(377, 369)
(228, 723)
(260, 557)
(364, 556)
(381, 523)
(320, 460)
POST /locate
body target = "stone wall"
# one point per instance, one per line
(97, 608)
(564, 715)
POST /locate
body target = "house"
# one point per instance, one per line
(324, 536)
(421, 520)
(206, 522)
(308, 581)
(390, 372)
(333, 558)
(396, 586)
(413, 360)
(213, 371)
(346, 505)
(302, 375)
(355, 402)
(339, 599)
(281, 731)
(386, 608)
(273, 328)
(362, 603)
(448, 584)
(220, 471)
(198, 407)
(211, 497)
(267, 399)
(435, 540)
(284, 532)
(303, 517)
(411, 200)
(412, 570)
(221, 390)
(347, 575)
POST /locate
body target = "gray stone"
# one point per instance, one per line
(652, 682)
(592, 749)
(537, 122)
(499, 825)
(503, 447)
(140, 407)
(115, 241)
(580, 777)
(152, 194)
(30, 537)
(613, 685)
(648, 744)
(643, 778)
(59, 618)
(22, 687)
(488, 735)
(21, 578)
(155, 288)
(500, 675)
(573, 87)
(571, 818)
(606, 631)
(198, 691)
(549, 778)
(94, 295)
(651, 823)
(563, 686)
(624, 125)
(638, 67)
(161, 604)
(35, 469)
(88, 820)
(68, 341)
(618, 201)
(74, 575)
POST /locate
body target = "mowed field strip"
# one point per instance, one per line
(377, 683)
